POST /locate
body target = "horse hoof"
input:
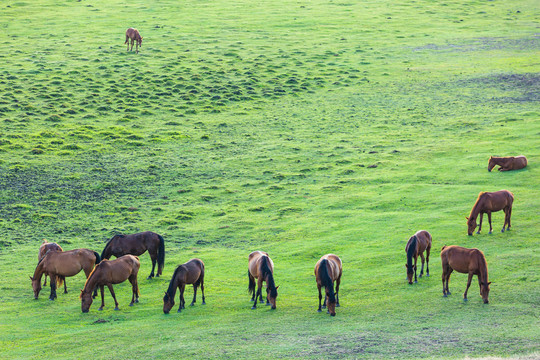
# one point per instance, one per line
(445, 295)
(131, 304)
(465, 299)
(319, 310)
(100, 309)
(449, 293)
(192, 304)
(416, 281)
(253, 307)
(324, 306)
(116, 308)
(502, 230)
(427, 275)
(491, 232)
(203, 303)
(478, 232)
(179, 311)
(267, 303)
(420, 276)
(252, 300)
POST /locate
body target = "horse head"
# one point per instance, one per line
(86, 301)
(410, 272)
(168, 303)
(272, 296)
(36, 286)
(331, 303)
(484, 291)
(491, 163)
(471, 224)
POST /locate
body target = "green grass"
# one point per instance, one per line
(298, 128)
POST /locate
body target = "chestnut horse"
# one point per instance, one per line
(59, 265)
(507, 163)
(45, 248)
(191, 272)
(327, 270)
(468, 261)
(489, 202)
(110, 272)
(137, 244)
(133, 36)
(417, 244)
(261, 267)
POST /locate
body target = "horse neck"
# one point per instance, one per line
(91, 282)
(107, 252)
(38, 273)
(477, 207)
(412, 250)
(176, 280)
(482, 269)
(266, 272)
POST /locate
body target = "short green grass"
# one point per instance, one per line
(299, 128)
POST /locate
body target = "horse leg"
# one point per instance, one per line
(102, 290)
(45, 282)
(480, 226)
(127, 42)
(134, 290)
(320, 297)
(338, 281)
(114, 296)
(202, 291)
(194, 295)
(267, 291)
(509, 214)
(415, 261)
(489, 219)
(182, 301)
(260, 291)
(136, 47)
(257, 293)
(65, 286)
(428, 250)
(468, 285)
(52, 281)
(325, 297)
(153, 257)
(422, 268)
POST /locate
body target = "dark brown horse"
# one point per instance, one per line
(467, 261)
(59, 265)
(110, 272)
(487, 203)
(417, 244)
(261, 267)
(191, 272)
(133, 36)
(137, 244)
(327, 270)
(45, 248)
(507, 163)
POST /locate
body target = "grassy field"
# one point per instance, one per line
(294, 127)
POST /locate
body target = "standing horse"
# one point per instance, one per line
(191, 272)
(468, 261)
(45, 248)
(507, 163)
(261, 267)
(108, 273)
(417, 244)
(489, 202)
(59, 265)
(137, 244)
(133, 36)
(327, 270)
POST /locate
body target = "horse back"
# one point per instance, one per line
(424, 241)
(462, 259)
(255, 263)
(334, 266)
(193, 270)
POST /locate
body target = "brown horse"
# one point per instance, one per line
(507, 163)
(191, 272)
(261, 267)
(133, 36)
(109, 273)
(45, 248)
(417, 244)
(327, 270)
(59, 265)
(137, 244)
(489, 202)
(468, 261)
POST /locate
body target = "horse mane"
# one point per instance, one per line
(476, 204)
(326, 281)
(483, 265)
(91, 275)
(410, 251)
(109, 243)
(267, 273)
(172, 286)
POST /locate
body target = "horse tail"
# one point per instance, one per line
(326, 281)
(161, 255)
(59, 281)
(251, 285)
(98, 258)
(266, 273)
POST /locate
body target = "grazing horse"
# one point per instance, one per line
(327, 270)
(133, 36)
(45, 248)
(59, 265)
(110, 272)
(137, 244)
(261, 267)
(191, 272)
(507, 163)
(468, 261)
(489, 202)
(417, 244)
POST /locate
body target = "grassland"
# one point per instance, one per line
(295, 127)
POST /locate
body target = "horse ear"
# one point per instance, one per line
(31, 278)
(489, 283)
(467, 218)
(277, 287)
